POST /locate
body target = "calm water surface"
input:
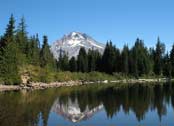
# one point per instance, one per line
(90, 106)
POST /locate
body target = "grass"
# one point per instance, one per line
(38, 74)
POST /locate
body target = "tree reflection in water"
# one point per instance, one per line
(81, 103)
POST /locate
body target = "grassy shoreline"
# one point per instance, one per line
(33, 77)
(38, 74)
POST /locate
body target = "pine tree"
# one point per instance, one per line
(109, 58)
(9, 54)
(159, 52)
(73, 64)
(82, 60)
(46, 57)
(151, 58)
(125, 60)
(9, 34)
(143, 59)
(64, 62)
(93, 57)
(59, 65)
(172, 60)
(133, 65)
(98, 60)
(139, 59)
(21, 36)
(167, 66)
(33, 51)
(117, 61)
(38, 41)
(8, 64)
(21, 42)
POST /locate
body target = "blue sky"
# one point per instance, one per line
(121, 21)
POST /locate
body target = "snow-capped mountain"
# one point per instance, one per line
(72, 43)
(71, 111)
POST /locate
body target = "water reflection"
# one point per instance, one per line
(81, 104)
(72, 112)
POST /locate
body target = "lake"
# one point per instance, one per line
(95, 105)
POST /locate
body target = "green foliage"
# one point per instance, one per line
(158, 57)
(33, 51)
(46, 57)
(63, 63)
(21, 36)
(38, 74)
(172, 60)
(9, 54)
(109, 58)
(73, 64)
(82, 61)
(140, 63)
(125, 60)
(94, 59)
(9, 34)
(8, 65)
(167, 66)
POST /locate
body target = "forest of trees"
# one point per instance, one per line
(18, 49)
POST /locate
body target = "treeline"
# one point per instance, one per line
(136, 61)
(18, 49)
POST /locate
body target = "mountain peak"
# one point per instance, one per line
(72, 42)
(76, 33)
(76, 36)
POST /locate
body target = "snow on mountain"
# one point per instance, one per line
(72, 43)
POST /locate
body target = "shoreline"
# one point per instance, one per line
(41, 85)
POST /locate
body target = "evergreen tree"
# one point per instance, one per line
(73, 64)
(8, 65)
(38, 41)
(172, 60)
(46, 57)
(59, 65)
(93, 60)
(98, 60)
(143, 59)
(139, 62)
(21, 42)
(159, 52)
(33, 51)
(125, 60)
(151, 58)
(167, 66)
(109, 58)
(9, 34)
(133, 65)
(63, 62)
(82, 60)
(9, 55)
(21, 36)
(117, 61)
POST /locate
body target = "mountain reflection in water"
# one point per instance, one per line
(72, 112)
(99, 105)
